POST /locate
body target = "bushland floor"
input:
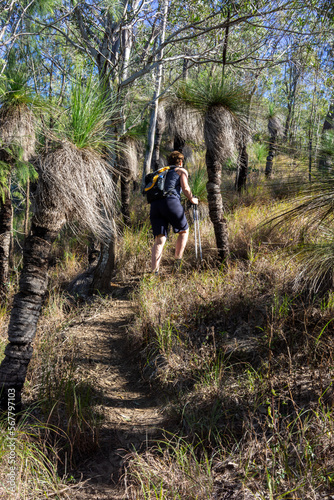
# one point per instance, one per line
(133, 415)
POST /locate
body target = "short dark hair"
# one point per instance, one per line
(175, 157)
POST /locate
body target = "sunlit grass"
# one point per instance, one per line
(35, 461)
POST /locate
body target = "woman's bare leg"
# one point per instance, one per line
(181, 243)
(157, 248)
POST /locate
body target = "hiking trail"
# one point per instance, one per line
(133, 416)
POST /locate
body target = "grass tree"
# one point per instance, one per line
(74, 184)
(128, 166)
(180, 123)
(17, 146)
(275, 128)
(326, 153)
(313, 211)
(223, 109)
(242, 163)
(183, 125)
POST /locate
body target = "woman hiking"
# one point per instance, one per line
(169, 211)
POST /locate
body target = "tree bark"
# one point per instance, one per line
(288, 123)
(5, 240)
(242, 169)
(105, 266)
(329, 120)
(27, 306)
(271, 154)
(26, 215)
(125, 198)
(154, 112)
(215, 203)
(157, 144)
(226, 42)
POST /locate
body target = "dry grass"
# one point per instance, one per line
(128, 158)
(249, 365)
(36, 464)
(247, 361)
(17, 128)
(60, 423)
(171, 471)
(78, 184)
(183, 121)
(247, 358)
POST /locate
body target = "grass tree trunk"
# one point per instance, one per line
(26, 214)
(128, 167)
(125, 198)
(105, 266)
(219, 137)
(215, 203)
(271, 154)
(5, 239)
(242, 169)
(27, 303)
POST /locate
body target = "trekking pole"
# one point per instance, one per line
(198, 234)
(194, 216)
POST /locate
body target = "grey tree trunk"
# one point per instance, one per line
(154, 111)
(27, 304)
(157, 144)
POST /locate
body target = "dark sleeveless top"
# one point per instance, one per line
(173, 184)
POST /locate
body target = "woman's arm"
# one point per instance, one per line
(185, 186)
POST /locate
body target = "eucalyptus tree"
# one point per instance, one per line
(74, 184)
(17, 146)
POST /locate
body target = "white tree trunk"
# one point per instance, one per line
(155, 105)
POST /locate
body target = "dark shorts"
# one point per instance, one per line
(165, 212)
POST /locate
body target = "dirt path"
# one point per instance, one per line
(132, 415)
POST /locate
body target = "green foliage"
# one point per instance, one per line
(89, 117)
(203, 94)
(272, 110)
(14, 89)
(139, 131)
(20, 174)
(197, 182)
(36, 474)
(41, 7)
(4, 175)
(257, 154)
(327, 144)
(25, 171)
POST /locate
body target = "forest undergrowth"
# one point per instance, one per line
(243, 351)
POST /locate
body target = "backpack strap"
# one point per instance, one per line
(155, 178)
